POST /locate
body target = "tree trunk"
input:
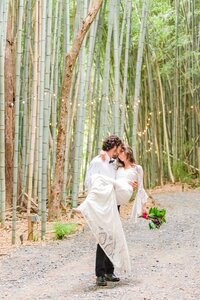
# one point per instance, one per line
(56, 189)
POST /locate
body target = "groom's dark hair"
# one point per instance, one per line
(110, 142)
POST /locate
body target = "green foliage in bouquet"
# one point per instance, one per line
(155, 216)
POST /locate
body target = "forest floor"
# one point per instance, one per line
(165, 262)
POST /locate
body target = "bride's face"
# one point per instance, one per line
(116, 151)
(122, 156)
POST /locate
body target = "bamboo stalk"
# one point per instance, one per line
(136, 101)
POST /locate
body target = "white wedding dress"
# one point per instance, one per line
(101, 213)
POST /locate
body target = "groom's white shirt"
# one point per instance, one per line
(102, 167)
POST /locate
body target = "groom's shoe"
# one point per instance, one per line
(111, 277)
(101, 281)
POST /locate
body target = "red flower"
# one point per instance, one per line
(145, 215)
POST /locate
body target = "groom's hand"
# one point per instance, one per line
(134, 184)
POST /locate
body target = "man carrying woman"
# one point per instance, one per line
(110, 180)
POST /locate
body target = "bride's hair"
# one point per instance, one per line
(129, 155)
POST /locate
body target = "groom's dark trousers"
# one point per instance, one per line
(103, 263)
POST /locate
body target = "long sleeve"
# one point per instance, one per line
(99, 166)
(141, 196)
(94, 168)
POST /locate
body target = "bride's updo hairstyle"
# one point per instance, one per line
(129, 155)
(110, 142)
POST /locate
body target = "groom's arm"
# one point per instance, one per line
(94, 168)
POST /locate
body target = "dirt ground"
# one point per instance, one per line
(165, 262)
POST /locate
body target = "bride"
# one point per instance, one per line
(100, 206)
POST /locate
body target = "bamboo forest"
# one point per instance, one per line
(74, 72)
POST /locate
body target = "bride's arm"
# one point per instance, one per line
(141, 196)
(134, 184)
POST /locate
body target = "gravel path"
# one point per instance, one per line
(165, 262)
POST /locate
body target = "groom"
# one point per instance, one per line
(112, 146)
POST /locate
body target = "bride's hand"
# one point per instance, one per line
(134, 184)
(102, 154)
(145, 208)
